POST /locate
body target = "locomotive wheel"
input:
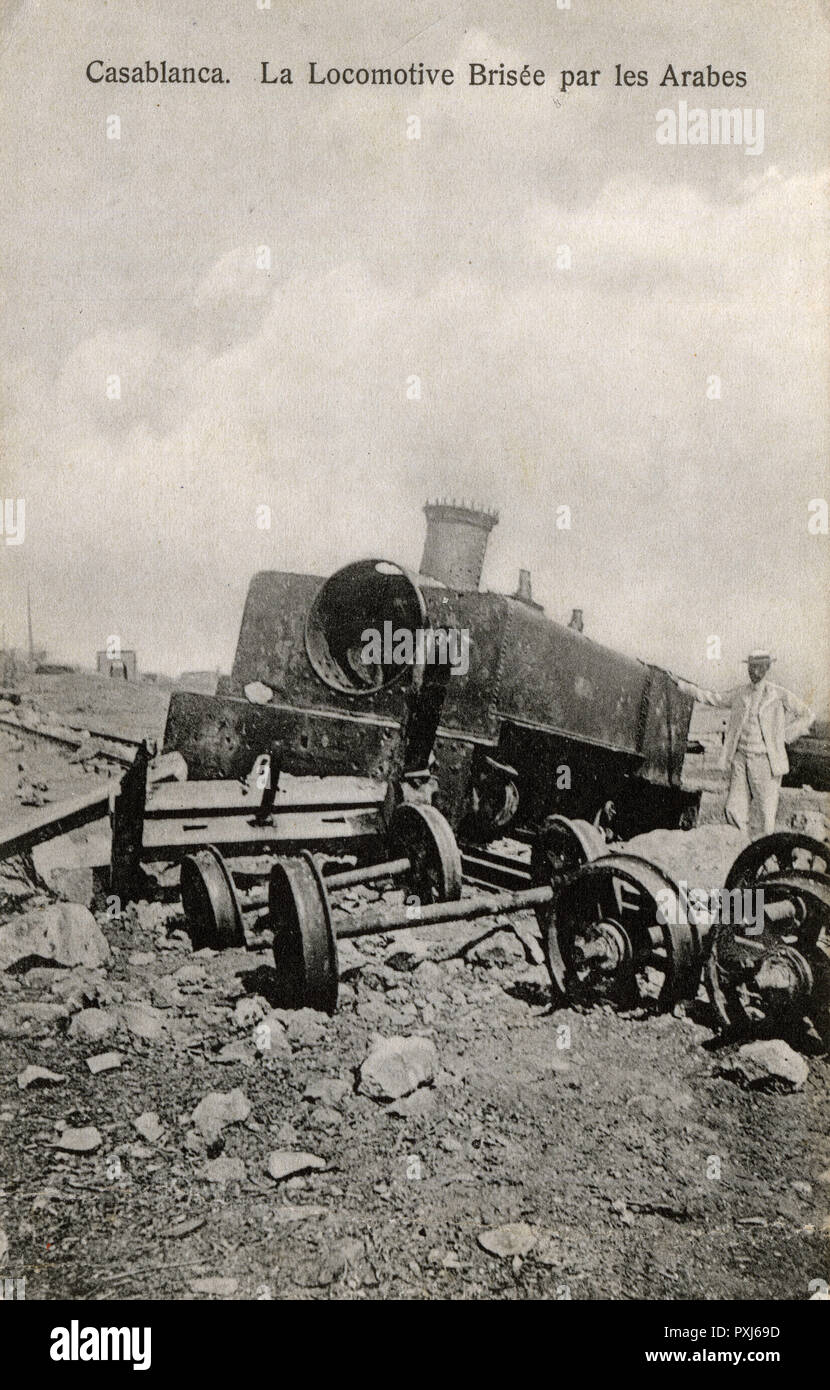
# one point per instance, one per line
(776, 979)
(562, 846)
(782, 853)
(305, 947)
(619, 932)
(210, 901)
(422, 835)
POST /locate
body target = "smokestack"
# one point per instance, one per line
(524, 593)
(456, 543)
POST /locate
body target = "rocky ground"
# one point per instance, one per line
(167, 1131)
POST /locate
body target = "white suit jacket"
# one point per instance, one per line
(781, 714)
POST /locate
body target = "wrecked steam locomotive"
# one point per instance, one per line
(537, 719)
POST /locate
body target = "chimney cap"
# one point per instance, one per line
(471, 513)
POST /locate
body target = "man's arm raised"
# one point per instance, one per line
(704, 697)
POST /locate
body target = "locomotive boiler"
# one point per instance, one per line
(496, 713)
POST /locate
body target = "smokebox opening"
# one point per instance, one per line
(356, 600)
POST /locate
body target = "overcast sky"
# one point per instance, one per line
(244, 387)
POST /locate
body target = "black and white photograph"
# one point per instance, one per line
(414, 681)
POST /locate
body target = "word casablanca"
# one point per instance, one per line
(76, 1343)
(100, 71)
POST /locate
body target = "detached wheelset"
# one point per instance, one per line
(768, 970)
(423, 855)
(622, 930)
(618, 931)
(307, 930)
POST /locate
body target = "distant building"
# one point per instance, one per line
(121, 667)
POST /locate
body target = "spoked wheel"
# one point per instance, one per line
(562, 846)
(420, 834)
(210, 901)
(782, 853)
(768, 972)
(620, 932)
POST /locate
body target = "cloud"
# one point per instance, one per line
(244, 386)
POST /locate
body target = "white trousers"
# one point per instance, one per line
(752, 778)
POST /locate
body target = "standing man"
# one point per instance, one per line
(763, 719)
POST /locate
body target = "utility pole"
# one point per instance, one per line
(29, 617)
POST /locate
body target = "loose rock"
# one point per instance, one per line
(58, 864)
(258, 693)
(80, 1141)
(516, 1238)
(93, 1025)
(223, 1169)
(39, 1076)
(142, 1020)
(396, 1066)
(283, 1163)
(64, 932)
(218, 1109)
(768, 1065)
(148, 1126)
(105, 1061)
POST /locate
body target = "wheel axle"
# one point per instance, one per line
(425, 855)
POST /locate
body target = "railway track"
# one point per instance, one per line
(123, 753)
